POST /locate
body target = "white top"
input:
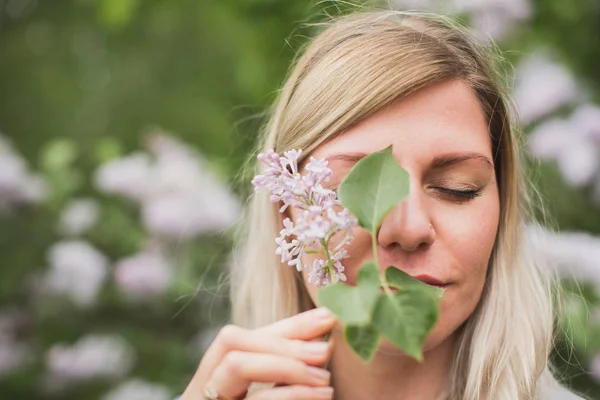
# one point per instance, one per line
(558, 393)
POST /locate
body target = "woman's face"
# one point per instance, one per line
(447, 226)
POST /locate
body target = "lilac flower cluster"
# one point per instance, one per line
(318, 221)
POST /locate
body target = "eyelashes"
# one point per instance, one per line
(458, 195)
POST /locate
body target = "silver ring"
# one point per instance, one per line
(211, 394)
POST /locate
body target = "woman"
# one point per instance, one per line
(425, 87)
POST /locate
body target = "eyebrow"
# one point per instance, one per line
(440, 162)
(349, 157)
(448, 160)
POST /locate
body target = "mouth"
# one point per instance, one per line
(427, 279)
(431, 281)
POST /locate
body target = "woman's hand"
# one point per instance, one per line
(282, 353)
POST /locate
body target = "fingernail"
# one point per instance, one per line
(321, 375)
(323, 313)
(316, 348)
(325, 392)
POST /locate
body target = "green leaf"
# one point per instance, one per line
(364, 340)
(117, 14)
(353, 305)
(372, 187)
(58, 154)
(403, 281)
(107, 149)
(406, 318)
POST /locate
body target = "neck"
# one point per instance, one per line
(390, 375)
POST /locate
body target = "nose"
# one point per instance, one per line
(407, 226)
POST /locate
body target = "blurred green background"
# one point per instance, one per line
(124, 125)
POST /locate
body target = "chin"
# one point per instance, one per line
(437, 338)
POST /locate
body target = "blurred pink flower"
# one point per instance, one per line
(17, 184)
(78, 216)
(573, 142)
(578, 162)
(129, 176)
(575, 255)
(92, 357)
(137, 389)
(144, 274)
(494, 19)
(489, 18)
(586, 119)
(542, 86)
(549, 138)
(516, 9)
(185, 215)
(179, 196)
(77, 271)
(186, 198)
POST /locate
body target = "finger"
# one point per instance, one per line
(296, 392)
(305, 326)
(233, 337)
(233, 376)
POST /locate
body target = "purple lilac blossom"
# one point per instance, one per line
(318, 221)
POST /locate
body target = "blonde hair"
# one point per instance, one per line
(358, 65)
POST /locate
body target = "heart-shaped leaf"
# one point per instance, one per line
(364, 340)
(406, 318)
(403, 281)
(372, 187)
(353, 305)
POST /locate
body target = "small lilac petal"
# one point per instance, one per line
(293, 155)
(315, 211)
(274, 198)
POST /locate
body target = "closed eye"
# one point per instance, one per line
(459, 195)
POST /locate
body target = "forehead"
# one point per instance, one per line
(442, 118)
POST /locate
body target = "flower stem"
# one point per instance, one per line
(325, 243)
(384, 283)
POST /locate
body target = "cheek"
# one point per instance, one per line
(469, 235)
(468, 239)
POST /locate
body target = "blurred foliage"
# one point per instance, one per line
(82, 80)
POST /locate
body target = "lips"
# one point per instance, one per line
(430, 280)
